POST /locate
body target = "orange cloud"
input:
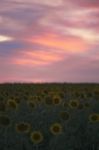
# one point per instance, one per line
(68, 44)
(27, 61)
(36, 58)
(43, 55)
(59, 47)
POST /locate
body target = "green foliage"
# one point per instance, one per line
(64, 115)
(32, 104)
(2, 106)
(4, 121)
(49, 116)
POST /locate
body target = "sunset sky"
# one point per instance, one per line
(49, 41)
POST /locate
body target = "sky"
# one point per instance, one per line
(49, 41)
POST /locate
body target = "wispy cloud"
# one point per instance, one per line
(71, 44)
(36, 58)
(49, 40)
(5, 38)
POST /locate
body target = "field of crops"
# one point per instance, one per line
(49, 116)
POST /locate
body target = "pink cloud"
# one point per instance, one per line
(62, 43)
(54, 40)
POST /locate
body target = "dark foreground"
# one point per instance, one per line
(49, 116)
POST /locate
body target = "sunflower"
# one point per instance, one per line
(56, 100)
(23, 127)
(12, 104)
(36, 137)
(94, 117)
(56, 128)
(74, 103)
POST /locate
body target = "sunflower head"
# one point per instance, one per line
(94, 117)
(56, 100)
(23, 127)
(36, 137)
(11, 103)
(74, 103)
(56, 128)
